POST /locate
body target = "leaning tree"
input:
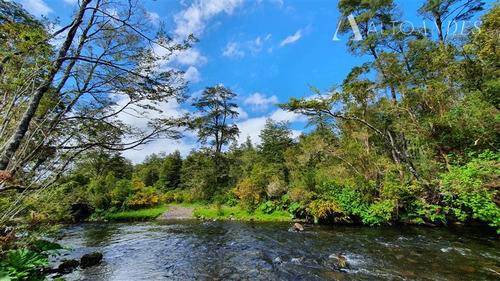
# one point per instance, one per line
(93, 83)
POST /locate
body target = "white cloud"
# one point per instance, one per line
(153, 17)
(59, 39)
(192, 74)
(242, 114)
(191, 56)
(233, 50)
(238, 50)
(281, 115)
(164, 145)
(292, 38)
(36, 7)
(193, 20)
(253, 126)
(260, 102)
(139, 118)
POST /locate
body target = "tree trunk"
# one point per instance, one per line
(10, 148)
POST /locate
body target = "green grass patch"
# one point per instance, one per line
(142, 214)
(225, 212)
(189, 205)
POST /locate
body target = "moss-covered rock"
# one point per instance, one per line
(91, 259)
(337, 262)
(68, 265)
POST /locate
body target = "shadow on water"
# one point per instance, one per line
(230, 250)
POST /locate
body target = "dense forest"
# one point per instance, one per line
(411, 136)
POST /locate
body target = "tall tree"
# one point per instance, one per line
(105, 66)
(214, 126)
(170, 173)
(452, 11)
(276, 138)
(61, 100)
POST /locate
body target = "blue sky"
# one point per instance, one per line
(265, 51)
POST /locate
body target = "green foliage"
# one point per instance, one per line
(46, 246)
(142, 197)
(267, 207)
(217, 106)
(170, 173)
(419, 212)
(123, 189)
(199, 176)
(249, 193)
(469, 189)
(22, 264)
(276, 138)
(149, 170)
(378, 213)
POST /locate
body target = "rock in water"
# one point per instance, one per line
(91, 259)
(337, 261)
(68, 266)
(298, 227)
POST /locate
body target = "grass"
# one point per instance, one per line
(202, 210)
(189, 205)
(142, 214)
(226, 212)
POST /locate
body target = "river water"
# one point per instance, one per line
(231, 250)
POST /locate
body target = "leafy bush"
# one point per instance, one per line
(249, 194)
(143, 197)
(469, 190)
(275, 189)
(22, 264)
(121, 192)
(418, 212)
(328, 210)
(378, 213)
(267, 207)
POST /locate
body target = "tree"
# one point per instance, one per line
(214, 126)
(105, 70)
(451, 10)
(99, 162)
(199, 176)
(481, 63)
(170, 173)
(276, 138)
(61, 101)
(149, 170)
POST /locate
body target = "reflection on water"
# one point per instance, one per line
(229, 250)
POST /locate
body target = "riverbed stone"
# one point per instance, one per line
(68, 265)
(337, 261)
(91, 259)
(297, 227)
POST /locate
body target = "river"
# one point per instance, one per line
(232, 250)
